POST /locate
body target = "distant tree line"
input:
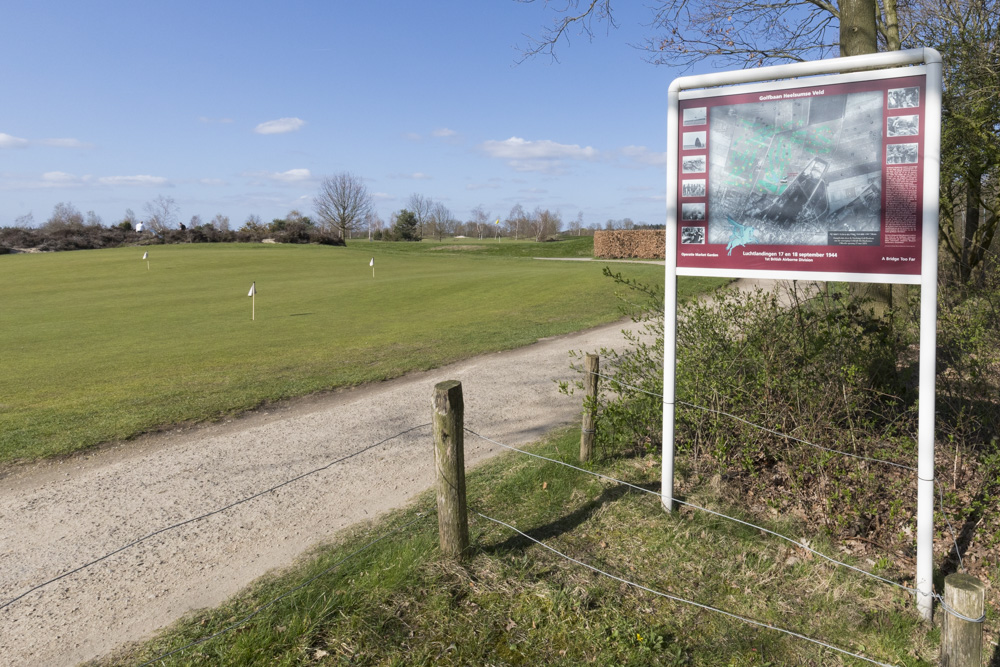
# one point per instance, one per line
(343, 210)
(68, 229)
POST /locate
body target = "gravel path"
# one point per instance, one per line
(58, 516)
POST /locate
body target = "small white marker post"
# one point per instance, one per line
(145, 256)
(372, 264)
(253, 301)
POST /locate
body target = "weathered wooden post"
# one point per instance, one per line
(592, 366)
(449, 460)
(962, 638)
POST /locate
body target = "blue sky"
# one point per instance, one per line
(243, 108)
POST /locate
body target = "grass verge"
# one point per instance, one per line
(101, 347)
(513, 602)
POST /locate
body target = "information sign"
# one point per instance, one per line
(815, 175)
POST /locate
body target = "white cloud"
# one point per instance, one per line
(482, 186)
(412, 136)
(516, 148)
(141, 179)
(544, 155)
(290, 176)
(415, 176)
(643, 156)
(65, 143)
(444, 132)
(382, 196)
(7, 141)
(280, 126)
(60, 178)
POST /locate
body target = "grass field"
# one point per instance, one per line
(513, 602)
(98, 348)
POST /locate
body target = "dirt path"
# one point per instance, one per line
(58, 516)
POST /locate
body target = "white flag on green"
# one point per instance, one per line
(145, 255)
(253, 289)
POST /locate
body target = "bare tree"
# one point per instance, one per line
(64, 216)
(479, 218)
(374, 224)
(343, 203)
(221, 222)
(517, 220)
(440, 220)
(161, 213)
(544, 223)
(421, 207)
(129, 218)
(738, 33)
(25, 221)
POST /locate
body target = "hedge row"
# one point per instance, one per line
(622, 243)
(88, 237)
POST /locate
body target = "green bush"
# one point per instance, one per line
(815, 364)
(818, 366)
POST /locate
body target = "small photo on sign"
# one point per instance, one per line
(694, 164)
(692, 211)
(901, 154)
(691, 235)
(696, 116)
(694, 141)
(694, 187)
(904, 98)
(902, 126)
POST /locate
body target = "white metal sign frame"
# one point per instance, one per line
(926, 62)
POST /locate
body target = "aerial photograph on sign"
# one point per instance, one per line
(797, 170)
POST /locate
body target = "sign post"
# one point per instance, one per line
(823, 170)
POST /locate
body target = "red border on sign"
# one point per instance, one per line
(900, 215)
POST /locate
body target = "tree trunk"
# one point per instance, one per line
(891, 29)
(858, 27)
(858, 36)
(973, 193)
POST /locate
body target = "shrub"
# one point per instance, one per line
(814, 364)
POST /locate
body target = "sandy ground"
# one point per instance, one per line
(58, 516)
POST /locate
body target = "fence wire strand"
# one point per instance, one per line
(759, 427)
(258, 610)
(951, 530)
(790, 540)
(675, 598)
(219, 510)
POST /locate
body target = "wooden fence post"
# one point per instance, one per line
(449, 460)
(592, 366)
(961, 639)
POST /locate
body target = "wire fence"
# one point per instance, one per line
(758, 426)
(797, 543)
(676, 598)
(246, 619)
(951, 530)
(699, 508)
(938, 597)
(201, 517)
